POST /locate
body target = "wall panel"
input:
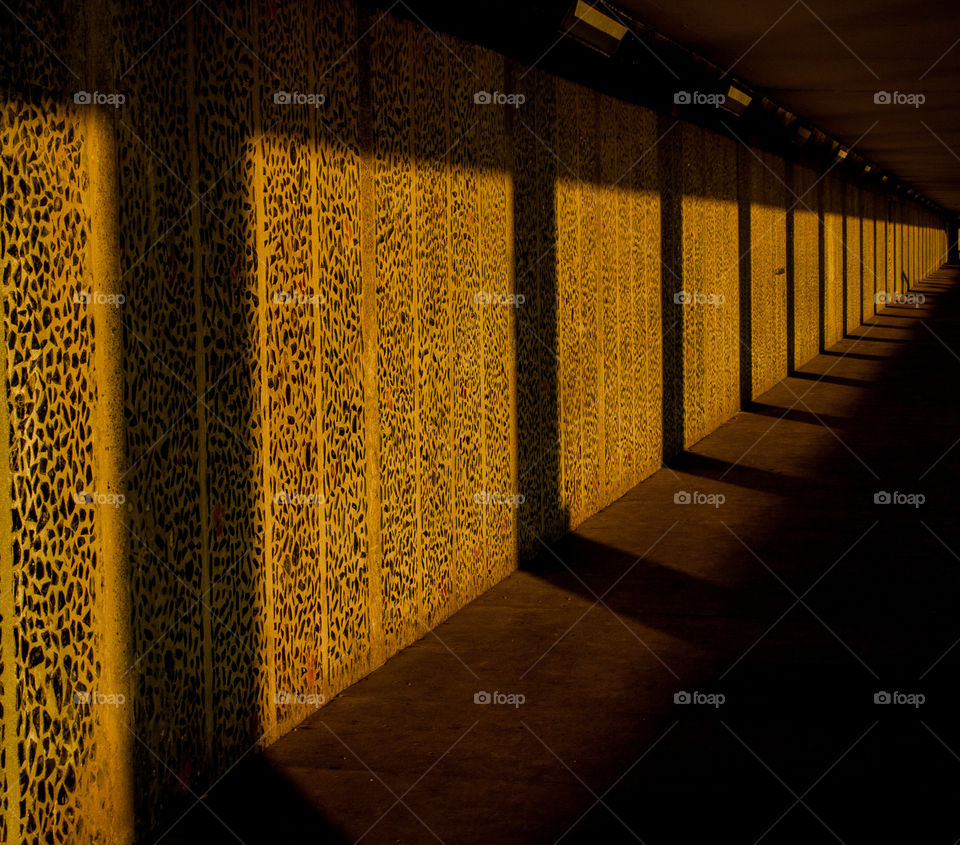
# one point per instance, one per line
(831, 223)
(710, 272)
(806, 268)
(768, 271)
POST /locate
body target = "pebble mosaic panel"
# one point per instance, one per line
(711, 282)
(805, 209)
(768, 271)
(833, 260)
(853, 257)
(868, 253)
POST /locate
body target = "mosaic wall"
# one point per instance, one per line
(852, 256)
(893, 249)
(768, 271)
(880, 208)
(608, 319)
(868, 253)
(365, 308)
(831, 234)
(804, 219)
(709, 311)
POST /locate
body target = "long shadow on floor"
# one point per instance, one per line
(784, 564)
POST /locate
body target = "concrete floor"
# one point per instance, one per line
(797, 599)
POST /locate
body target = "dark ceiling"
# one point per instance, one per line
(822, 61)
(826, 60)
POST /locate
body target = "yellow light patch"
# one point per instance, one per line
(739, 96)
(598, 20)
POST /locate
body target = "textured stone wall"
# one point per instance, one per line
(868, 253)
(768, 271)
(853, 256)
(834, 249)
(277, 374)
(806, 262)
(707, 313)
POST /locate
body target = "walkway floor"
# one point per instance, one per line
(798, 600)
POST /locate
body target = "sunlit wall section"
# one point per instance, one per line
(612, 208)
(469, 301)
(294, 187)
(394, 184)
(915, 247)
(766, 196)
(918, 245)
(880, 206)
(51, 604)
(909, 270)
(903, 241)
(938, 248)
(572, 102)
(912, 273)
(806, 264)
(433, 396)
(608, 324)
(496, 276)
(624, 211)
(588, 275)
(445, 327)
(831, 220)
(639, 307)
(709, 303)
(895, 257)
(852, 256)
(903, 232)
(868, 252)
(342, 460)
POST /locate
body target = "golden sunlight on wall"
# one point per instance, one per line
(768, 266)
(853, 256)
(709, 310)
(807, 264)
(831, 233)
(868, 251)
